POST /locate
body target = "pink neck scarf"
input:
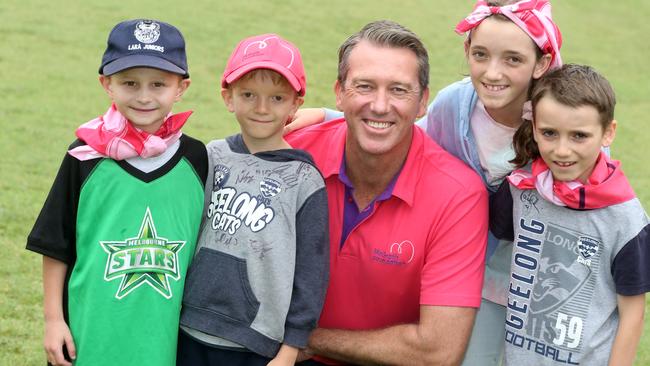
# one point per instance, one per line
(112, 135)
(606, 186)
(532, 16)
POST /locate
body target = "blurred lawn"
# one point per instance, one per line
(50, 52)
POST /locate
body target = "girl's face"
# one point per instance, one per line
(570, 138)
(502, 63)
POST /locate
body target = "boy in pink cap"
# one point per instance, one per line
(257, 284)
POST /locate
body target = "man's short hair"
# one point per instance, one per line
(386, 33)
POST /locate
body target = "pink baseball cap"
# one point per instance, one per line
(266, 51)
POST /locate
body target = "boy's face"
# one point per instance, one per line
(261, 106)
(144, 95)
(570, 139)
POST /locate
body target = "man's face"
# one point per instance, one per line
(381, 98)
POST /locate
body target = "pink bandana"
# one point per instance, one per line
(533, 16)
(606, 186)
(112, 135)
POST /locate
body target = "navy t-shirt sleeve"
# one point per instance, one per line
(501, 212)
(631, 266)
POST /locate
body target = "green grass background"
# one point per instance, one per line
(50, 52)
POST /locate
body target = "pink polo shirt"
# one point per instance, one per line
(425, 245)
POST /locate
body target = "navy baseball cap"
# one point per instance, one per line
(144, 43)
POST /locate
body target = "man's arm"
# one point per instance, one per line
(440, 338)
(631, 310)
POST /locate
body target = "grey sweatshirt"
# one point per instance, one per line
(260, 272)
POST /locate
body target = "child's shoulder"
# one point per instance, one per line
(76, 143)
(309, 176)
(196, 152)
(192, 147)
(627, 217)
(217, 142)
(191, 141)
(298, 155)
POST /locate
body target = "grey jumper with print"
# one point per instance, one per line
(567, 268)
(261, 268)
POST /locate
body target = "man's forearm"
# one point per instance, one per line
(413, 344)
(390, 346)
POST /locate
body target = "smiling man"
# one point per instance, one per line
(408, 222)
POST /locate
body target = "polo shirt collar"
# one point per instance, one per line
(332, 162)
(411, 170)
(386, 194)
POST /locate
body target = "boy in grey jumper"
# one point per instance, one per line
(257, 283)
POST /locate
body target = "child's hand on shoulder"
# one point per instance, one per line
(58, 336)
(305, 117)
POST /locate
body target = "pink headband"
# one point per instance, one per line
(532, 16)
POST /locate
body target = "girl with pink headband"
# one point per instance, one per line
(509, 45)
(532, 16)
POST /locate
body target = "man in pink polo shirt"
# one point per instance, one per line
(408, 222)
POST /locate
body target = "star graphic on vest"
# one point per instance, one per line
(144, 259)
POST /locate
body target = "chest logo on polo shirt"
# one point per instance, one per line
(398, 254)
(143, 259)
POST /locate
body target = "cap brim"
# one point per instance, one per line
(129, 62)
(293, 80)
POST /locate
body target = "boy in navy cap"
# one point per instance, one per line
(119, 226)
(258, 281)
